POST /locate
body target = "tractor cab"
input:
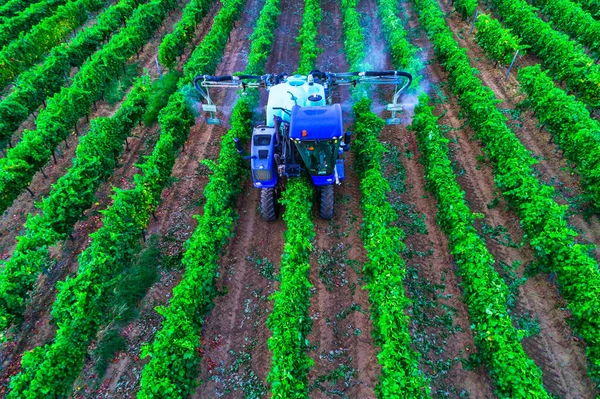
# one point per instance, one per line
(317, 133)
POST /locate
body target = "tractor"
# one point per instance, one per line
(303, 131)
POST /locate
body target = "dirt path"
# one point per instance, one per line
(175, 223)
(236, 356)
(440, 323)
(554, 349)
(14, 217)
(37, 328)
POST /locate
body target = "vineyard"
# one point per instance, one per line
(461, 260)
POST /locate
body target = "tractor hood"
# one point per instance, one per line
(316, 123)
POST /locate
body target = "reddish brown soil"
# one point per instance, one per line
(438, 267)
(175, 213)
(236, 357)
(555, 350)
(37, 329)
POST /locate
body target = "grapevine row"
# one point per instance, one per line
(354, 39)
(591, 6)
(26, 19)
(514, 373)
(175, 42)
(542, 219)
(55, 122)
(174, 356)
(570, 124)
(400, 374)
(403, 53)
(289, 321)
(81, 301)
(31, 47)
(309, 50)
(498, 43)
(10, 8)
(385, 269)
(95, 159)
(46, 79)
(570, 18)
(565, 59)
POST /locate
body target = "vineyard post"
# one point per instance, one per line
(158, 67)
(474, 20)
(511, 65)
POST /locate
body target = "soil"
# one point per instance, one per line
(37, 329)
(236, 359)
(555, 346)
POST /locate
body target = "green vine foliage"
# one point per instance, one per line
(566, 60)
(290, 322)
(498, 43)
(95, 159)
(591, 6)
(515, 374)
(39, 82)
(466, 8)
(570, 18)
(26, 19)
(569, 122)
(354, 37)
(10, 8)
(81, 301)
(55, 123)
(173, 367)
(174, 44)
(385, 269)
(309, 50)
(31, 47)
(542, 218)
(403, 54)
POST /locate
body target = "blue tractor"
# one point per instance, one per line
(304, 131)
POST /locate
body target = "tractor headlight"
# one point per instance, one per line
(263, 175)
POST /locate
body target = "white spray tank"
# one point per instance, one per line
(296, 90)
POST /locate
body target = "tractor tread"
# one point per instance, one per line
(326, 203)
(268, 204)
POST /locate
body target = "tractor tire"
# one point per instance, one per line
(326, 202)
(268, 203)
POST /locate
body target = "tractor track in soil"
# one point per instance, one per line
(236, 356)
(438, 268)
(174, 216)
(341, 342)
(555, 350)
(36, 328)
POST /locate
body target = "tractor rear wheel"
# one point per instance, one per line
(326, 202)
(268, 202)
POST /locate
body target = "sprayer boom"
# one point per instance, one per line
(328, 80)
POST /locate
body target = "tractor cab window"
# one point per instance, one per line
(262, 139)
(319, 155)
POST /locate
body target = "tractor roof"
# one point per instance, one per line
(318, 122)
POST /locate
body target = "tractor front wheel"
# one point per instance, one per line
(326, 202)
(268, 202)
